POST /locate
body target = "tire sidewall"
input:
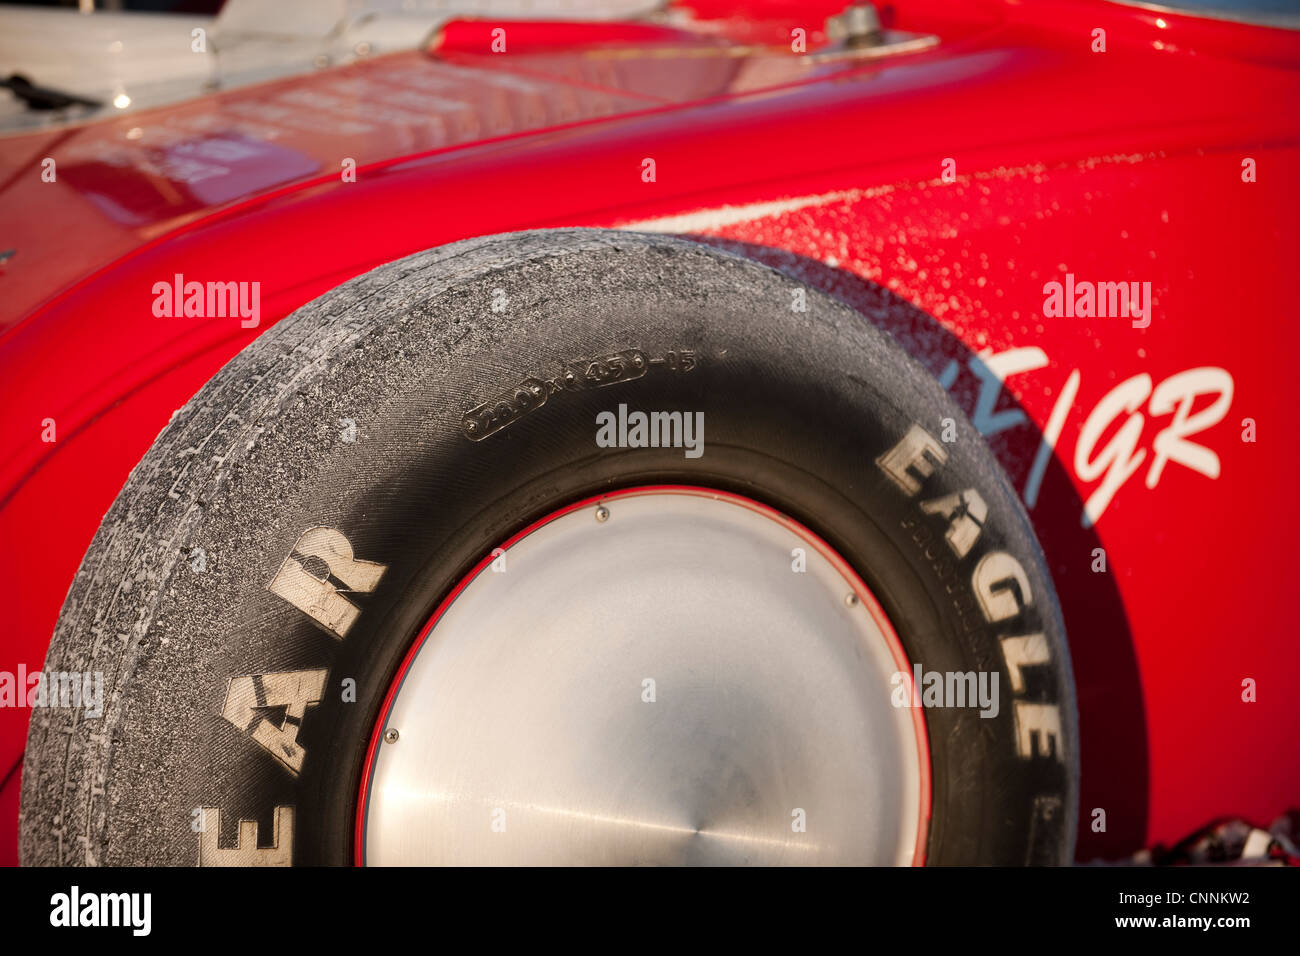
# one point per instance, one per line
(798, 408)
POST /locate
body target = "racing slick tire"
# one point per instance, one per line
(289, 569)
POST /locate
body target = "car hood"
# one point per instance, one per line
(75, 198)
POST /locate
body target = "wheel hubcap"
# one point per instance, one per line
(650, 679)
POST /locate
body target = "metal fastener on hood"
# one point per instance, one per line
(858, 25)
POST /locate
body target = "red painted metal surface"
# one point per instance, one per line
(1116, 166)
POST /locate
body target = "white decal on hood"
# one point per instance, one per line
(1115, 461)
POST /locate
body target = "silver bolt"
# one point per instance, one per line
(858, 25)
(851, 599)
(602, 513)
(390, 736)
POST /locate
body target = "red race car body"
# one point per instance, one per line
(1103, 237)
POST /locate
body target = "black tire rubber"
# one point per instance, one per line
(799, 406)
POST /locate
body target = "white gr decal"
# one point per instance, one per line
(317, 597)
(1121, 457)
(246, 852)
(248, 698)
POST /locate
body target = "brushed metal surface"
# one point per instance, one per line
(526, 736)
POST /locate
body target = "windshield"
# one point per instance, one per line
(58, 65)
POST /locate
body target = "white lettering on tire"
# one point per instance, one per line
(317, 597)
(247, 697)
(999, 581)
(993, 582)
(965, 513)
(917, 452)
(246, 852)
(1019, 651)
(1041, 723)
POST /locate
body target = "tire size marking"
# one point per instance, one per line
(998, 581)
(248, 698)
(246, 852)
(627, 365)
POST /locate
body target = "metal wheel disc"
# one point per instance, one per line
(662, 676)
